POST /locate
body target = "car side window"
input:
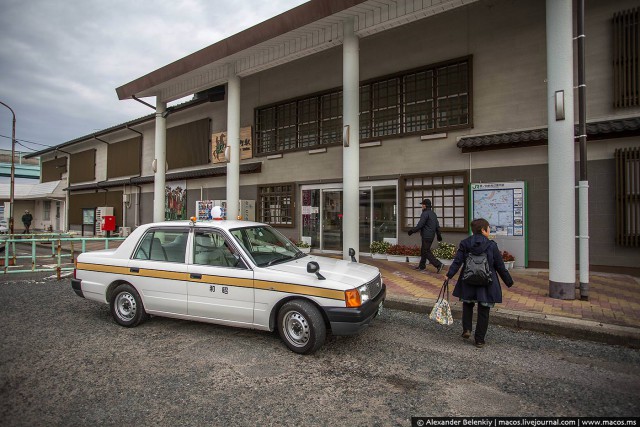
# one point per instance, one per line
(163, 245)
(211, 248)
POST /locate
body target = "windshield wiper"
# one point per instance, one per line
(300, 255)
(278, 260)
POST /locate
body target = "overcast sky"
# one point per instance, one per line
(61, 61)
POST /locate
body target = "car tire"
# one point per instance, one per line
(126, 306)
(301, 326)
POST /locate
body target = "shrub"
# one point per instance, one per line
(445, 251)
(506, 257)
(379, 247)
(302, 244)
(403, 250)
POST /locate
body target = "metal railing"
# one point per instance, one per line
(63, 246)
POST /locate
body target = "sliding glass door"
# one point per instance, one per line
(322, 211)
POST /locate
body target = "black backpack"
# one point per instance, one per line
(476, 270)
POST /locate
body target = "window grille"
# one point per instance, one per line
(626, 59)
(448, 195)
(276, 204)
(331, 124)
(628, 197)
(435, 98)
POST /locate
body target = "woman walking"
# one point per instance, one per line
(487, 294)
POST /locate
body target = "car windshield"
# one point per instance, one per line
(266, 246)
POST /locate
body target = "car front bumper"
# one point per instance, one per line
(350, 321)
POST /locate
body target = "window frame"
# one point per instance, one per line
(439, 208)
(266, 117)
(260, 210)
(227, 245)
(152, 232)
(46, 210)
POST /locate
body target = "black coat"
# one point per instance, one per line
(428, 225)
(477, 244)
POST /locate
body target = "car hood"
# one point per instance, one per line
(348, 273)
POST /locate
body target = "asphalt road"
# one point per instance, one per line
(64, 361)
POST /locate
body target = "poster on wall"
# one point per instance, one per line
(219, 144)
(175, 197)
(203, 209)
(503, 205)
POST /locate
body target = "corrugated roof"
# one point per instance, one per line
(30, 191)
(615, 128)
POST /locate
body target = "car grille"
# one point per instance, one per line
(375, 286)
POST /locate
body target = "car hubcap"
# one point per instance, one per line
(296, 328)
(126, 306)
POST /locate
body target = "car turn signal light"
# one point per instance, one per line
(352, 298)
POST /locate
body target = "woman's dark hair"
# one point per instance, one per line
(477, 225)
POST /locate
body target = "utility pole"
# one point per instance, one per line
(13, 167)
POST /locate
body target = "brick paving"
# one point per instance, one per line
(613, 298)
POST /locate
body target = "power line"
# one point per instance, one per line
(28, 142)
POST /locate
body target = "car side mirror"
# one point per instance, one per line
(314, 268)
(352, 254)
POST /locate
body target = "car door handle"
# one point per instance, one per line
(195, 276)
(134, 270)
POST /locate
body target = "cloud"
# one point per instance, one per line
(60, 62)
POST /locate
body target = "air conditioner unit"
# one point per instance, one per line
(100, 213)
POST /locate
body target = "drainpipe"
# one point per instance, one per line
(136, 211)
(583, 184)
(67, 225)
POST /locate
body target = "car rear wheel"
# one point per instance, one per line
(301, 326)
(126, 306)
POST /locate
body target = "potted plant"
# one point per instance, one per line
(445, 252)
(304, 247)
(402, 253)
(379, 249)
(508, 259)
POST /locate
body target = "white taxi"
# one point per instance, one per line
(235, 273)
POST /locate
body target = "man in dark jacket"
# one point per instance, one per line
(486, 296)
(429, 228)
(26, 220)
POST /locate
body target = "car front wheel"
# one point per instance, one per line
(126, 306)
(301, 326)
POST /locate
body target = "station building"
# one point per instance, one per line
(337, 118)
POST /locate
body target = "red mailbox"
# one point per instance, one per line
(108, 223)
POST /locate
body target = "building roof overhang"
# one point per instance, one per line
(210, 172)
(307, 29)
(597, 130)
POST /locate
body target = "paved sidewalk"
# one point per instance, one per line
(612, 313)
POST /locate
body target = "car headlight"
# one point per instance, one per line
(364, 293)
(357, 297)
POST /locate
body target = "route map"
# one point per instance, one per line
(496, 206)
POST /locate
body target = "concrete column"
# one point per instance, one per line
(160, 162)
(351, 154)
(562, 227)
(233, 142)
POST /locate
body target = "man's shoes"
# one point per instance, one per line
(419, 268)
(440, 268)
(466, 334)
(479, 344)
